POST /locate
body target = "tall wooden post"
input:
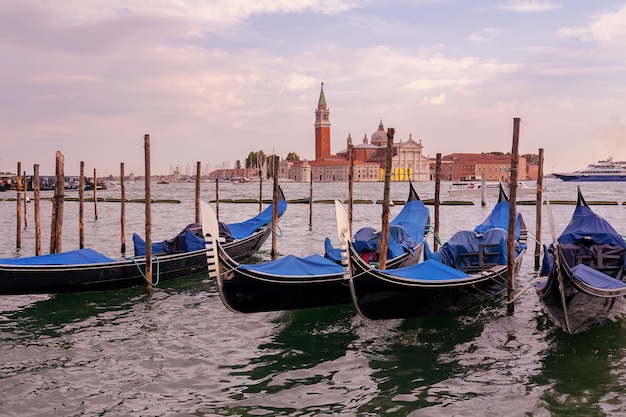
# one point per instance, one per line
(483, 189)
(538, 210)
(37, 211)
(260, 191)
(56, 229)
(122, 209)
(274, 207)
(350, 184)
(81, 206)
(384, 240)
(60, 204)
(25, 198)
(510, 242)
(148, 200)
(437, 200)
(217, 198)
(95, 197)
(311, 201)
(198, 166)
(18, 209)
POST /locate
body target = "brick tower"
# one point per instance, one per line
(322, 128)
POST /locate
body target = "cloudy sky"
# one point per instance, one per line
(212, 80)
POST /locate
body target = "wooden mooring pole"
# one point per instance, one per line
(384, 240)
(18, 209)
(483, 189)
(510, 241)
(198, 169)
(311, 201)
(217, 198)
(56, 229)
(122, 209)
(437, 200)
(350, 184)
(260, 191)
(81, 206)
(36, 197)
(95, 197)
(25, 199)
(274, 207)
(538, 210)
(148, 200)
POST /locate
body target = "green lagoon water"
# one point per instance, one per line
(179, 352)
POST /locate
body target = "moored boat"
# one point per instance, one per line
(241, 240)
(607, 170)
(88, 270)
(584, 268)
(474, 189)
(468, 270)
(406, 236)
(287, 283)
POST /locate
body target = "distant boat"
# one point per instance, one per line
(474, 189)
(608, 170)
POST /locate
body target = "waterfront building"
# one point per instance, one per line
(369, 157)
(494, 167)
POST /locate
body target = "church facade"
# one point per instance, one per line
(369, 157)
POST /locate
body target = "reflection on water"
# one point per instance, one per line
(179, 351)
(585, 374)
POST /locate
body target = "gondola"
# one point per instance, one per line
(88, 270)
(584, 269)
(287, 283)
(241, 240)
(469, 269)
(406, 236)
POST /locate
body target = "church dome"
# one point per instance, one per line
(379, 138)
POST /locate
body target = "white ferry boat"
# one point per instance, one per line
(608, 170)
(474, 189)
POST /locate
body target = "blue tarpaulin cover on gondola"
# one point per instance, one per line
(406, 230)
(74, 257)
(596, 278)
(246, 228)
(413, 217)
(291, 265)
(430, 270)
(499, 218)
(368, 239)
(332, 253)
(467, 241)
(586, 225)
(189, 240)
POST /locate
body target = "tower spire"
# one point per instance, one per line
(321, 104)
(322, 127)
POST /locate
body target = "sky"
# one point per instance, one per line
(213, 80)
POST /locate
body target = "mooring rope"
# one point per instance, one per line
(279, 229)
(158, 270)
(526, 288)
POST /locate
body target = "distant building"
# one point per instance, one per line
(472, 167)
(407, 162)
(369, 157)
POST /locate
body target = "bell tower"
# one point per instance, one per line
(322, 127)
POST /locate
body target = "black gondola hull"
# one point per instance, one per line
(378, 295)
(44, 279)
(595, 294)
(246, 291)
(575, 308)
(245, 248)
